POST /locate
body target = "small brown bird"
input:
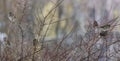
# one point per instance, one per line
(103, 33)
(7, 41)
(107, 26)
(11, 17)
(95, 24)
(35, 42)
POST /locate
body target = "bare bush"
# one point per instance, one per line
(49, 32)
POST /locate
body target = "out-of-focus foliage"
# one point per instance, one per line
(53, 19)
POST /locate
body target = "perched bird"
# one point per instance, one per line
(107, 26)
(11, 17)
(103, 33)
(95, 24)
(35, 41)
(7, 41)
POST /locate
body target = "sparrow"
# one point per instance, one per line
(107, 26)
(103, 33)
(7, 41)
(35, 42)
(11, 17)
(95, 24)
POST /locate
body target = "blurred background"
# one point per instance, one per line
(67, 14)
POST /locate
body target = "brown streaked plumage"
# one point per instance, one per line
(107, 26)
(103, 33)
(95, 24)
(35, 42)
